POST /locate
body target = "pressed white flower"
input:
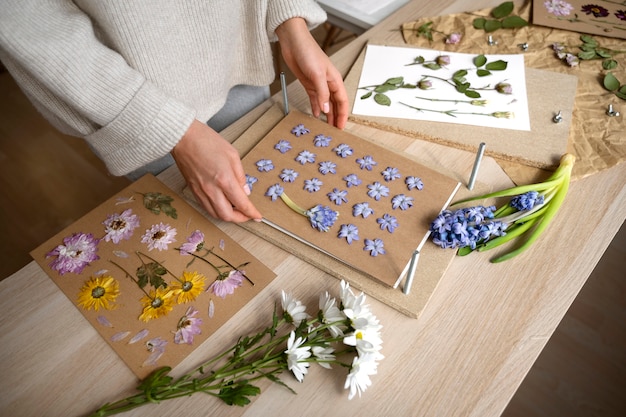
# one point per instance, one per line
(331, 314)
(359, 377)
(324, 354)
(296, 356)
(294, 310)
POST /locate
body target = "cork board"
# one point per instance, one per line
(164, 339)
(541, 147)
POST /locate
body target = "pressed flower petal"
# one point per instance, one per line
(140, 335)
(119, 336)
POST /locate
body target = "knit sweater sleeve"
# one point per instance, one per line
(281, 10)
(86, 89)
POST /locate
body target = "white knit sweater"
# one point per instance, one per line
(130, 76)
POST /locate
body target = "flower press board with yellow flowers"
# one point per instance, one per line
(152, 275)
(352, 199)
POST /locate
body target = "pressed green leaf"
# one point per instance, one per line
(512, 22)
(462, 88)
(492, 25)
(603, 53)
(366, 95)
(472, 94)
(395, 80)
(621, 95)
(610, 82)
(419, 60)
(459, 75)
(498, 65)
(408, 86)
(589, 40)
(383, 88)
(503, 10)
(609, 64)
(480, 60)
(586, 47)
(479, 23)
(587, 54)
(622, 89)
(382, 99)
(432, 66)
(483, 73)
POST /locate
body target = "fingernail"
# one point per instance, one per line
(326, 108)
(246, 189)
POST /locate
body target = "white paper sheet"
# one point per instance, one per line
(384, 62)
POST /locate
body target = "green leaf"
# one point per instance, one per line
(238, 394)
(610, 82)
(157, 202)
(587, 54)
(492, 25)
(622, 89)
(502, 10)
(603, 53)
(589, 40)
(609, 64)
(151, 273)
(498, 65)
(483, 73)
(621, 95)
(472, 94)
(587, 48)
(459, 75)
(512, 22)
(479, 23)
(480, 60)
(419, 60)
(395, 80)
(462, 88)
(383, 88)
(432, 66)
(366, 95)
(382, 99)
(408, 86)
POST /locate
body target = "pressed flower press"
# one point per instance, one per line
(152, 275)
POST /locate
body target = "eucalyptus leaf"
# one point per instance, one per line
(609, 64)
(479, 23)
(502, 10)
(498, 65)
(610, 82)
(480, 60)
(483, 73)
(512, 22)
(492, 25)
(382, 99)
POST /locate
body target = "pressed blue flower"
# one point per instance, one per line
(312, 185)
(343, 150)
(367, 162)
(387, 222)
(466, 227)
(321, 141)
(305, 156)
(374, 246)
(362, 209)
(349, 231)
(327, 167)
(274, 191)
(527, 200)
(377, 190)
(338, 196)
(265, 165)
(300, 130)
(390, 174)
(402, 202)
(250, 180)
(352, 180)
(322, 217)
(414, 182)
(288, 175)
(282, 146)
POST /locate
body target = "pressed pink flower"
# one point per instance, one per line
(120, 226)
(225, 286)
(453, 38)
(159, 236)
(78, 251)
(156, 347)
(194, 243)
(188, 327)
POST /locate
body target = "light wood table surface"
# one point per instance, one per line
(466, 354)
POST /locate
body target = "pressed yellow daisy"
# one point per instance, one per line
(158, 303)
(188, 287)
(99, 292)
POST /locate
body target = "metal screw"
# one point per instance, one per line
(491, 41)
(523, 46)
(558, 118)
(611, 112)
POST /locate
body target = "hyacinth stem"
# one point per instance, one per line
(290, 203)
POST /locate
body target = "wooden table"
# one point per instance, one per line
(466, 354)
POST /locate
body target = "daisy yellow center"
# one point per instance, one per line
(98, 292)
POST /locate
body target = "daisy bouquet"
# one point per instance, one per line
(340, 330)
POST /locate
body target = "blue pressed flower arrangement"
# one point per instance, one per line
(529, 212)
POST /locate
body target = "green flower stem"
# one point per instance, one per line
(140, 254)
(476, 102)
(290, 203)
(453, 113)
(131, 277)
(231, 265)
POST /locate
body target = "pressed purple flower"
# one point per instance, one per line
(305, 156)
(222, 287)
(414, 182)
(527, 200)
(327, 167)
(288, 175)
(620, 14)
(387, 222)
(321, 141)
(362, 209)
(188, 326)
(504, 88)
(572, 60)
(352, 180)
(265, 165)
(250, 180)
(558, 7)
(424, 84)
(343, 150)
(120, 226)
(443, 60)
(300, 130)
(453, 38)
(322, 217)
(194, 243)
(367, 162)
(377, 190)
(282, 146)
(374, 246)
(156, 347)
(349, 231)
(312, 185)
(77, 251)
(274, 191)
(390, 174)
(159, 236)
(338, 196)
(402, 202)
(595, 10)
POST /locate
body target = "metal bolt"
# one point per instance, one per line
(611, 112)
(491, 41)
(523, 46)
(558, 118)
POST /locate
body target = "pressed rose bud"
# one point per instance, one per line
(453, 38)
(504, 88)
(443, 60)
(424, 84)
